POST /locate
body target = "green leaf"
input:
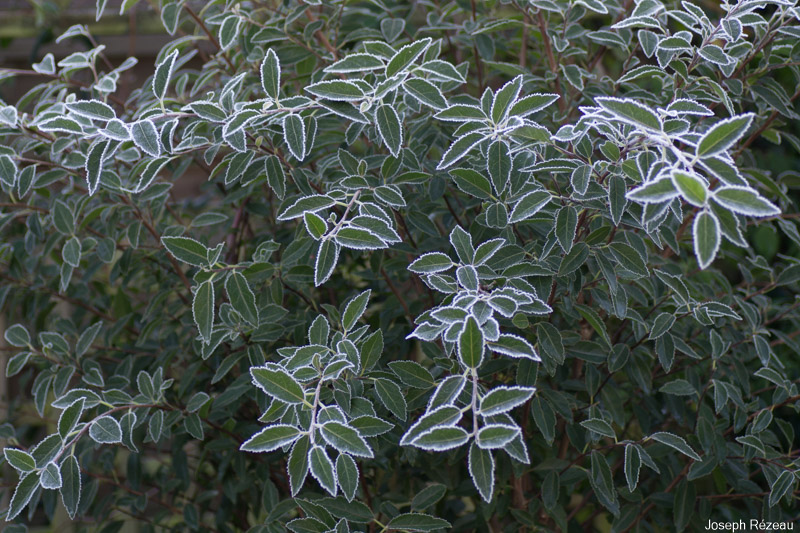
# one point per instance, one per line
(531, 104)
(315, 225)
(71, 253)
(406, 56)
(94, 165)
(163, 75)
(70, 485)
(63, 219)
(271, 438)
(661, 325)
(503, 399)
(194, 426)
(345, 439)
(417, 522)
(105, 430)
(684, 504)
(322, 469)
(782, 485)
(155, 425)
(631, 112)
(470, 344)
(498, 164)
(675, 442)
(629, 258)
(347, 475)
(602, 480)
(271, 74)
(390, 128)
(691, 187)
(22, 495)
(503, 99)
(633, 464)
(472, 182)
(441, 439)
(425, 92)
(599, 426)
(462, 113)
(706, 233)
(92, 109)
(337, 90)
(493, 436)
(428, 496)
(616, 198)
(529, 205)
(655, 191)
(17, 336)
(431, 263)
(275, 175)
(20, 460)
(566, 224)
(145, 136)
(325, 262)
(412, 374)
(311, 204)
(229, 31)
(297, 465)
(294, 133)
(744, 201)
(70, 417)
(391, 397)
(277, 383)
(355, 63)
(8, 170)
(203, 309)
(481, 470)
(371, 350)
(208, 111)
(723, 135)
(50, 477)
(358, 239)
(242, 298)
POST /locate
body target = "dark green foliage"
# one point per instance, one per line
(505, 265)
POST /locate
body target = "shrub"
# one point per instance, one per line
(474, 266)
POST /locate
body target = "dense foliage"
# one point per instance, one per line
(468, 266)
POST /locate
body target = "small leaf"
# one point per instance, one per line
(271, 74)
(417, 522)
(428, 496)
(271, 438)
(322, 469)
(17, 336)
(294, 133)
(723, 135)
(391, 397)
(51, 476)
(782, 485)
(744, 201)
(325, 263)
(203, 309)
(706, 235)
(20, 460)
(441, 439)
(406, 56)
(529, 205)
(691, 187)
(675, 442)
(425, 92)
(70, 485)
(431, 263)
(481, 470)
(390, 128)
(470, 344)
(566, 226)
(345, 439)
(92, 109)
(472, 182)
(145, 136)
(503, 399)
(311, 204)
(105, 430)
(459, 149)
(242, 298)
(347, 475)
(163, 75)
(498, 164)
(633, 464)
(337, 90)
(22, 495)
(276, 382)
(355, 63)
(631, 112)
(599, 426)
